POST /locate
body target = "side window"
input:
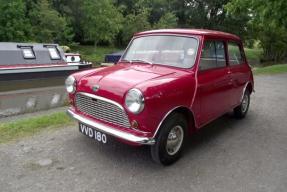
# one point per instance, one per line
(213, 55)
(235, 54)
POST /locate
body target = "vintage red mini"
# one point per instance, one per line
(168, 84)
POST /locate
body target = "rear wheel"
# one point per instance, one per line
(170, 140)
(241, 110)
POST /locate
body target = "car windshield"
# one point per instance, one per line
(177, 51)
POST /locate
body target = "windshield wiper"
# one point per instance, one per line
(125, 60)
(141, 60)
(136, 60)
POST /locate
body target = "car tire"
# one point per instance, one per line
(241, 110)
(170, 140)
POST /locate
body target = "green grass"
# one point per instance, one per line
(273, 69)
(253, 54)
(93, 54)
(26, 127)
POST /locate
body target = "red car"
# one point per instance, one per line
(168, 84)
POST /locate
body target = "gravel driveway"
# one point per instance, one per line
(228, 155)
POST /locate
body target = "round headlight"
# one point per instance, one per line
(70, 84)
(134, 101)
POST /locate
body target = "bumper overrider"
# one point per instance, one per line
(110, 130)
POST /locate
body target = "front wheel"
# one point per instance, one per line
(241, 110)
(170, 140)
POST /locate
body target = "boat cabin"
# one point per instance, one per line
(20, 61)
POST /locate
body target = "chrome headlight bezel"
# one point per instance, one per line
(70, 84)
(134, 101)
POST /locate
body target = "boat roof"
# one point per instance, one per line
(201, 32)
(72, 54)
(12, 53)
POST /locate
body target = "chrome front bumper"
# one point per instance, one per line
(111, 131)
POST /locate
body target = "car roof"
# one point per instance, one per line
(201, 32)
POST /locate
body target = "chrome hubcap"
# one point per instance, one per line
(174, 140)
(244, 104)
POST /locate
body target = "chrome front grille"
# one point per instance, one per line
(102, 109)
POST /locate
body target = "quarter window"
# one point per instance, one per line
(213, 55)
(235, 54)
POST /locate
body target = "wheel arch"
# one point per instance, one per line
(188, 114)
(250, 87)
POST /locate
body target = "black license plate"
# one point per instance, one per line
(93, 133)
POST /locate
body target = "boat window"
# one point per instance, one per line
(28, 52)
(54, 53)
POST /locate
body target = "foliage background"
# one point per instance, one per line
(259, 23)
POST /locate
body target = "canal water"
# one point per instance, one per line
(30, 84)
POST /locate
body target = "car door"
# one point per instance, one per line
(239, 70)
(214, 81)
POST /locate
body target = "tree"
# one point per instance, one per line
(168, 20)
(208, 14)
(72, 11)
(48, 25)
(14, 26)
(101, 21)
(140, 15)
(268, 21)
(135, 23)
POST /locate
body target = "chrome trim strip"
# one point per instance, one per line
(102, 98)
(38, 69)
(111, 131)
(243, 91)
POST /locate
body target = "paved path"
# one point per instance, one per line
(228, 155)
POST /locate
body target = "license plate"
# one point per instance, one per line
(93, 133)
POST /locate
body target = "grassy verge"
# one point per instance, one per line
(273, 69)
(93, 54)
(253, 54)
(14, 130)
